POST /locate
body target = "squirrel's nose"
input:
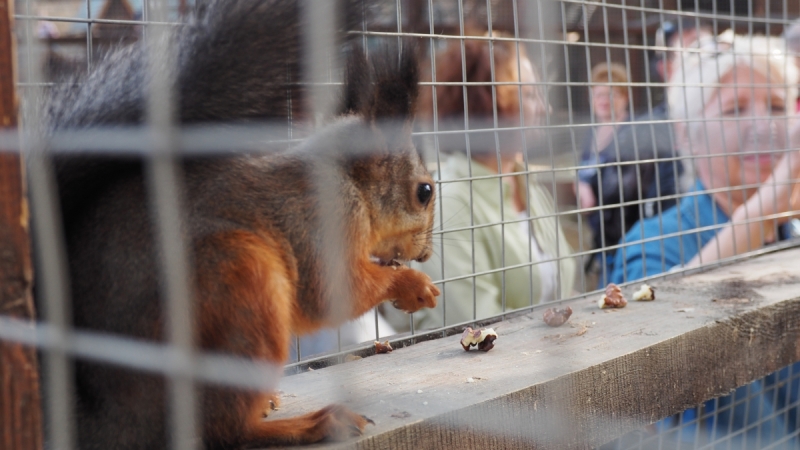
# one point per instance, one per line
(424, 256)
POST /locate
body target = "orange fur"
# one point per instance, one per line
(248, 307)
(246, 292)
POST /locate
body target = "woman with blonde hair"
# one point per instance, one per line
(735, 104)
(610, 103)
(489, 213)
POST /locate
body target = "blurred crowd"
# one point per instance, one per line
(706, 175)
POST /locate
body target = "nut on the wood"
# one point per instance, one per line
(484, 339)
(645, 293)
(383, 347)
(351, 357)
(612, 298)
(556, 317)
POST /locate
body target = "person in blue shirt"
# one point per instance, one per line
(735, 139)
(734, 100)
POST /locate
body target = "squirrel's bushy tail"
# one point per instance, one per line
(240, 60)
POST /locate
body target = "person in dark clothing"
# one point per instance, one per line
(643, 183)
(610, 107)
(648, 176)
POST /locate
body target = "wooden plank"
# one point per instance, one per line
(601, 375)
(20, 408)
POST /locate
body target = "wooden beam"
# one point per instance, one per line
(20, 407)
(603, 374)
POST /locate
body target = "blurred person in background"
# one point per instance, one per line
(728, 153)
(675, 35)
(739, 135)
(600, 186)
(792, 37)
(610, 104)
(648, 187)
(491, 214)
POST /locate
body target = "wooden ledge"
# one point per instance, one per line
(604, 373)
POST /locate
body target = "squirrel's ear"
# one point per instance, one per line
(386, 91)
(395, 77)
(357, 84)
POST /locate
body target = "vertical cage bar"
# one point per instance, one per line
(524, 144)
(437, 149)
(54, 290)
(164, 178)
(461, 30)
(54, 285)
(585, 12)
(540, 26)
(495, 125)
(574, 147)
(319, 64)
(637, 156)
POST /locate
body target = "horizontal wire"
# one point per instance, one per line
(26, 17)
(159, 358)
(228, 138)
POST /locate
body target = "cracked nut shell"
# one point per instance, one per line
(612, 298)
(556, 317)
(484, 339)
(645, 293)
(383, 347)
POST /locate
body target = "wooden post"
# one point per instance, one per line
(20, 405)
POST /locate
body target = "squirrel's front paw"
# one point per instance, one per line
(413, 290)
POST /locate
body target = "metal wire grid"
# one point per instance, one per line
(710, 425)
(178, 359)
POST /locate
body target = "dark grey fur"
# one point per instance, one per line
(236, 63)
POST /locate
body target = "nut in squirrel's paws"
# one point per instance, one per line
(413, 290)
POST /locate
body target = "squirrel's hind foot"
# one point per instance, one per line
(338, 423)
(273, 403)
(332, 423)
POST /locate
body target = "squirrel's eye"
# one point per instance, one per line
(424, 193)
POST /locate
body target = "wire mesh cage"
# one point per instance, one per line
(192, 165)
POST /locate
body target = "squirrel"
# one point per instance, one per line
(251, 222)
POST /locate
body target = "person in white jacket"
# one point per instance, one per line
(498, 245)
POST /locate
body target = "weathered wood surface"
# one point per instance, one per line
(604, 373)
(20, 411)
